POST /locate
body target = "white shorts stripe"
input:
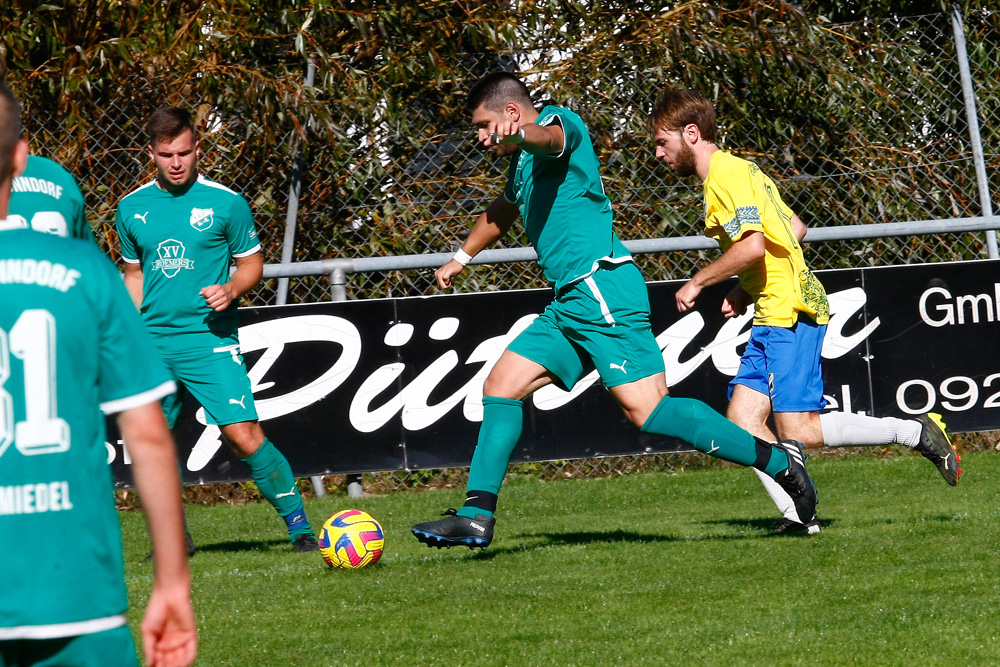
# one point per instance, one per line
(58, 630)
(596, 291)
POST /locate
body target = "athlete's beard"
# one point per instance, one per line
(684, 165)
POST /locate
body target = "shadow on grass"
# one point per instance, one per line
(756, 529)
(235, 546)
(545, 540)
(763, 524)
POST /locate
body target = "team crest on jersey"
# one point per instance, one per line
(171, 258)
(202, 218)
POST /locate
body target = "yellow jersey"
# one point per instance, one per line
(740, 198)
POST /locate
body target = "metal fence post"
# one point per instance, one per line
(288, 244)
(291, 218)
(338, 292)
(974, 138)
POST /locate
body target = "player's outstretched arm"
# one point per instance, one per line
(490, 226)
(169, 633)
(249, 271)
(531, 137)
(744, 252)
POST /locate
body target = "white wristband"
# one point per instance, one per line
(462, 257)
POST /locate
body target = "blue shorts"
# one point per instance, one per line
(785, 364)
(600, 322)
(213, 372)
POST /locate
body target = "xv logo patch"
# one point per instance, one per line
(202, 218)
(171, 258)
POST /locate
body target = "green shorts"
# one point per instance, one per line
(600, 322)
(213, 372)
(100, 649)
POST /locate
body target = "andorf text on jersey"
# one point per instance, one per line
(32, 184)
(37, 272)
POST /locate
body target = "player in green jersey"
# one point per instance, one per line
(72, 347)
(46, 198)
(178, 234)
(599, 319)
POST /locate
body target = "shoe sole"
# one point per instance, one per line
(788, 527)
(439, 542)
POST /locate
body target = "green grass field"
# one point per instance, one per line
(647, 569)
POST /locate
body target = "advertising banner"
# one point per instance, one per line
(396, 384)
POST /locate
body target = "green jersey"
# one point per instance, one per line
(46, 198)
(561, 198)
(71, 345)
(185, 242)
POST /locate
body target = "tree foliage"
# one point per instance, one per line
(854, 106)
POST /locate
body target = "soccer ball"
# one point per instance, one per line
(351, 539)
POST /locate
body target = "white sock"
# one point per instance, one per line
(846, 429)
(781, 499)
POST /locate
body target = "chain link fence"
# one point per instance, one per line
(407, 175)
(411, 183)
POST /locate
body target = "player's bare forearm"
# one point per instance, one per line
(132, 278)
(537, 139)
(490, 227)
(169, 633)
(154, 467)
(744, 252)
(749, 249)
(249, 271)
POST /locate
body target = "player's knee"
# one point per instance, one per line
(503, 385)
(243, 438)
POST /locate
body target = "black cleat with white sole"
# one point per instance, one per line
(796, 482)
(456, 531)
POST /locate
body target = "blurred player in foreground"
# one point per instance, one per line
(599, 318)
(46, 198)
(72, 346)
(780, 372)
(178, 234)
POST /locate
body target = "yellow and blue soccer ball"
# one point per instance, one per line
(351, 539)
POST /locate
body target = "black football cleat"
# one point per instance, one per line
(305, 543)
(456, 531)
(936, 447)
(796, 482)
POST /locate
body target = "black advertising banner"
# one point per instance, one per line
(933, 350)
(396, 384)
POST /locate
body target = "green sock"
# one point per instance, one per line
(498, 435)
(703, 428)
(777, 462)
(276, 482)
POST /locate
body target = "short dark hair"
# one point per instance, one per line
(10, 130)
(494, 90)
(677, 108)
(168, 123)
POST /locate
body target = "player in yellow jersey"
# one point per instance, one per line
(780, 372)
